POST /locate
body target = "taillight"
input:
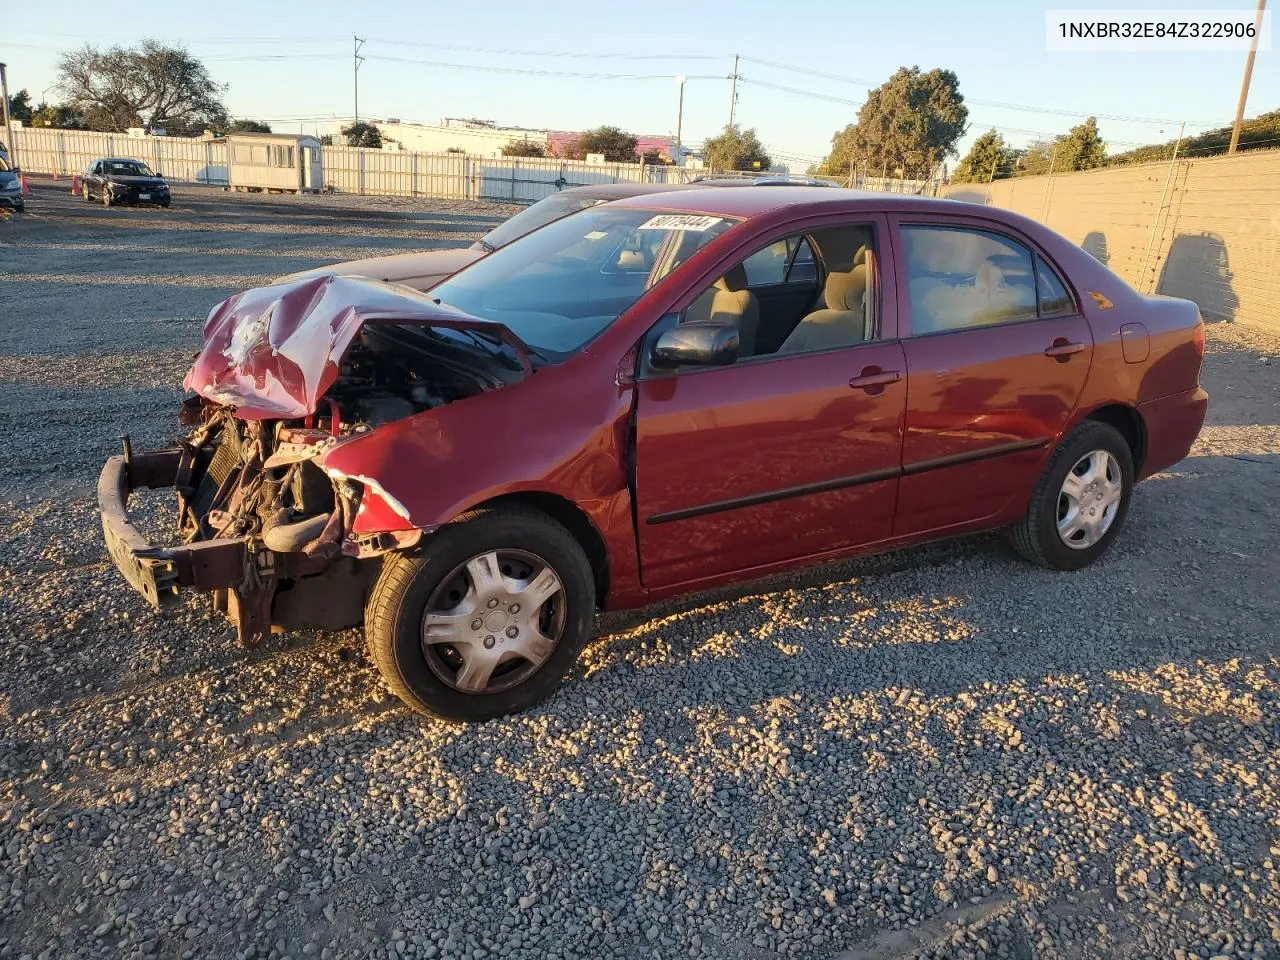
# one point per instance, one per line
(1198, 339)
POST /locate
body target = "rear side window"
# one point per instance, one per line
(959, 278)
(1052, 292)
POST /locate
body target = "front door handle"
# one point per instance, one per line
(1063, 349)
(873, 377)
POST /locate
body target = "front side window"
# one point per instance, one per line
(559, 287)
(786, 261)
(802, 315)
(960, 278)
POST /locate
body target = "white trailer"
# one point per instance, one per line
(274, 161)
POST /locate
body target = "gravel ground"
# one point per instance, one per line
(942, 752)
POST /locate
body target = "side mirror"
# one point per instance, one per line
(696, 344)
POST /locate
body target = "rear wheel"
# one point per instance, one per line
(486, 619)
(1080, 503)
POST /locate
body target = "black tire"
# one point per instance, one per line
(1035, 537)
(394, 613)
(165, 204)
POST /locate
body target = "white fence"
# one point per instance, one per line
(66, 152)
(400, 173)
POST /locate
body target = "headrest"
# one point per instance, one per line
(734, 280)
(860, 256)
(844, 291)
(990, 277)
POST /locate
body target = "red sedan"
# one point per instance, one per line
(651, 397)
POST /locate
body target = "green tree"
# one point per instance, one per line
(363, 135)
(656, 156)
(1262, 131)
(20, 106)
(616, 144)
(243, 125)
(988, 158)
(736, 149)
(907, 127)
(1080, 148)
(57, 115)
(143, 86)
(524, 148)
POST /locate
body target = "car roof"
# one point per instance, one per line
(618, 191)
(752, 203)
(119, 160)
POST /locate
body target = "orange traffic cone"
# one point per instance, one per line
(75, 185)
(22, 179)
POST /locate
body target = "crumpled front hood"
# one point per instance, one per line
(273, 352)
(418, 270)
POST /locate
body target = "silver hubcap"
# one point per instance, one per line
(493, 621)
(1089, 499)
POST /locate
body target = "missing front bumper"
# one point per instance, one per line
(239, 570)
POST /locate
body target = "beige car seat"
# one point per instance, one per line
(729, 301)
(844, 319)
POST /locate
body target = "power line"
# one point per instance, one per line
(1005, 105)
(576, 55)
(531, 72)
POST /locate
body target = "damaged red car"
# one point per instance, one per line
(648, 398)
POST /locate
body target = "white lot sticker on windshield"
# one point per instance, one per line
(680, 221)
(595, 235)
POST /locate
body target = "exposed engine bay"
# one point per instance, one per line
(262, 480)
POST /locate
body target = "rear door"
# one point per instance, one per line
(997, 353)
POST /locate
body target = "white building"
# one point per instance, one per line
(473, 137)
(274, 161)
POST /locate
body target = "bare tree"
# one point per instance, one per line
(150, 85)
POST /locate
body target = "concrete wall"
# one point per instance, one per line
(1204, 229)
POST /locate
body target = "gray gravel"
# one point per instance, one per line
(942, 752)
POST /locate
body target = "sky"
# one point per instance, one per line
(290, 63)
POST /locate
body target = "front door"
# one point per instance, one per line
(780, 456)
(997, 353)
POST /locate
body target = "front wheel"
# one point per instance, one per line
(486, 619)
(106, 196)
(1081, 500)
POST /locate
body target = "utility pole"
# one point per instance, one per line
(680, 124)
(733, 91)
(356, 44)
(1248, 73)
(8, 122)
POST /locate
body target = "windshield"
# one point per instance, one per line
(558, 288)
(4, 164)
(531, 218)
(127, 168)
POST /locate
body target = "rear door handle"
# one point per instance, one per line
(875, 377)
(1063, 349)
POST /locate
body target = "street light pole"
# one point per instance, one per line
(680, 124)
(1248, 74)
